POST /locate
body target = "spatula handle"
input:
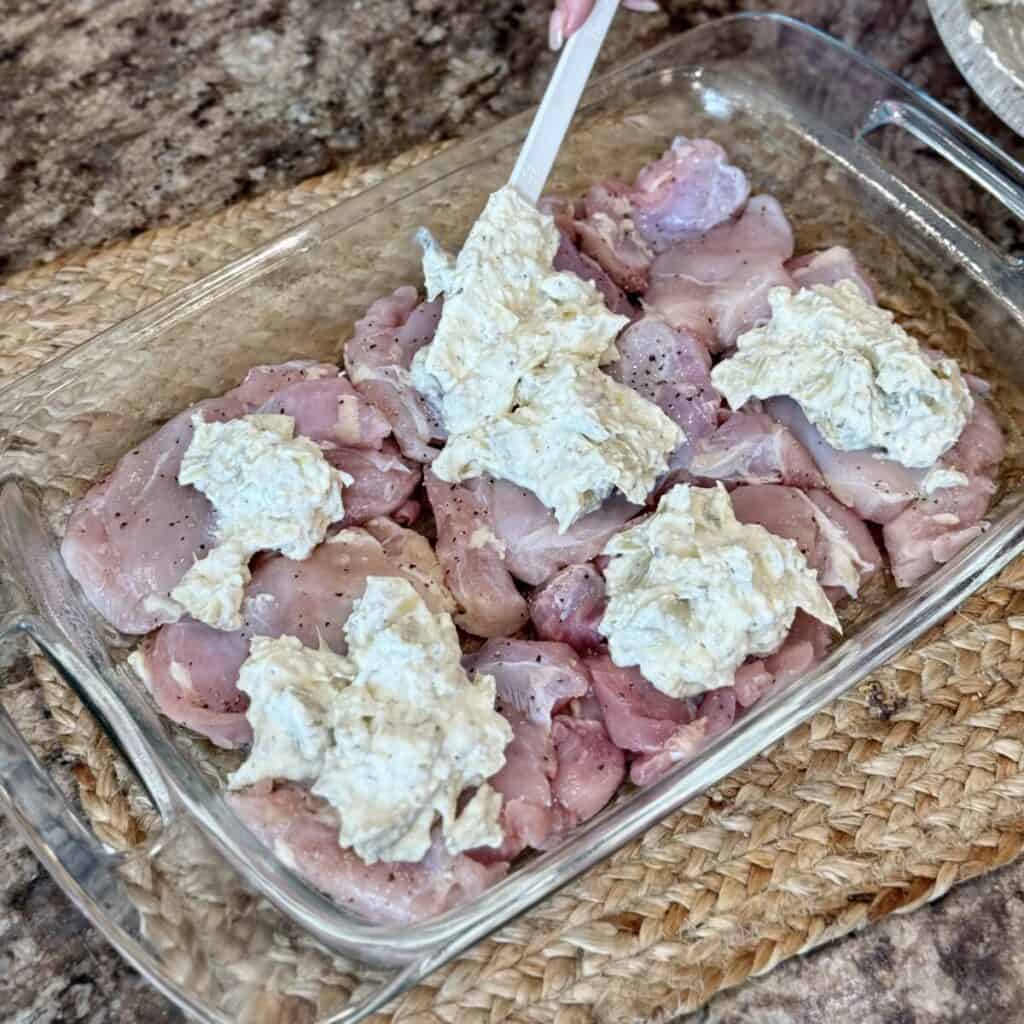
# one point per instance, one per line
(561, 97)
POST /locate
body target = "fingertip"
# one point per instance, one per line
(556, 29)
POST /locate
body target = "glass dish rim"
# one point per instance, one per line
(446, 935)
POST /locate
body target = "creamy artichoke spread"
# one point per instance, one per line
(391, 734)
(858, 376)
(271, 491)
(291, 688)
(692, 592)
(940, 477)
(515, 368)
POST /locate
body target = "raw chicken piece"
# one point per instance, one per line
(831, 538)
(554, 777)
(303, 831)
(262, 383)
(133, 536)
(473, 558)
(382, 481)
(192, 669)
(689, 191)
(662, 731)
(569, 608)
(672, 369)
(684, 744)
(330, 411)
(527, 814)
(606, 233)
(590, 769)
(830, 266)
(877, 489)
(378, 357)
(716, 285)
(527, 531)
(803, 648)
(569, 258)
(534, 678)
(638, 716)
(751, 682)
(752, 448)
(850, 531)
(557, 771)
(717, 709)
(920, 530)
(932, 530)
(981, 446)
(783, 511)
(937, 526)
(665, 731)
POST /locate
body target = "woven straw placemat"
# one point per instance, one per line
(904, 788)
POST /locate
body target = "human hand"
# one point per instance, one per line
(569, 15)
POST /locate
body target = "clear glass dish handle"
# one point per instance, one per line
(969, 151)
(81, 864)
(59, 838)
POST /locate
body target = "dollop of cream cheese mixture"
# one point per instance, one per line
(515, 368)
(390, 734)
(858, 376)
(271, 491)
(692, 592)
(291, 689)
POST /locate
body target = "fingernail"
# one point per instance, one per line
(643, 6)
(556, 29)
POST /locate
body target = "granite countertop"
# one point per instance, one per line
(123, 114)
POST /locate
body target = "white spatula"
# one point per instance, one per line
(561, 97)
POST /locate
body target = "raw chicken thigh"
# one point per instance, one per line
(752, 448)
(133, 536)
(305, 829)
(829, 266)
(569, 607)
(377, 358)
(716, 284)
(936, 526)
(559, 769)
(672, 369)
(534, 549)
(473, 558)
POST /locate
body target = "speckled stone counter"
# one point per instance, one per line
(121, 115)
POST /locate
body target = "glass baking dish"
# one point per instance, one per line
(197, 904)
